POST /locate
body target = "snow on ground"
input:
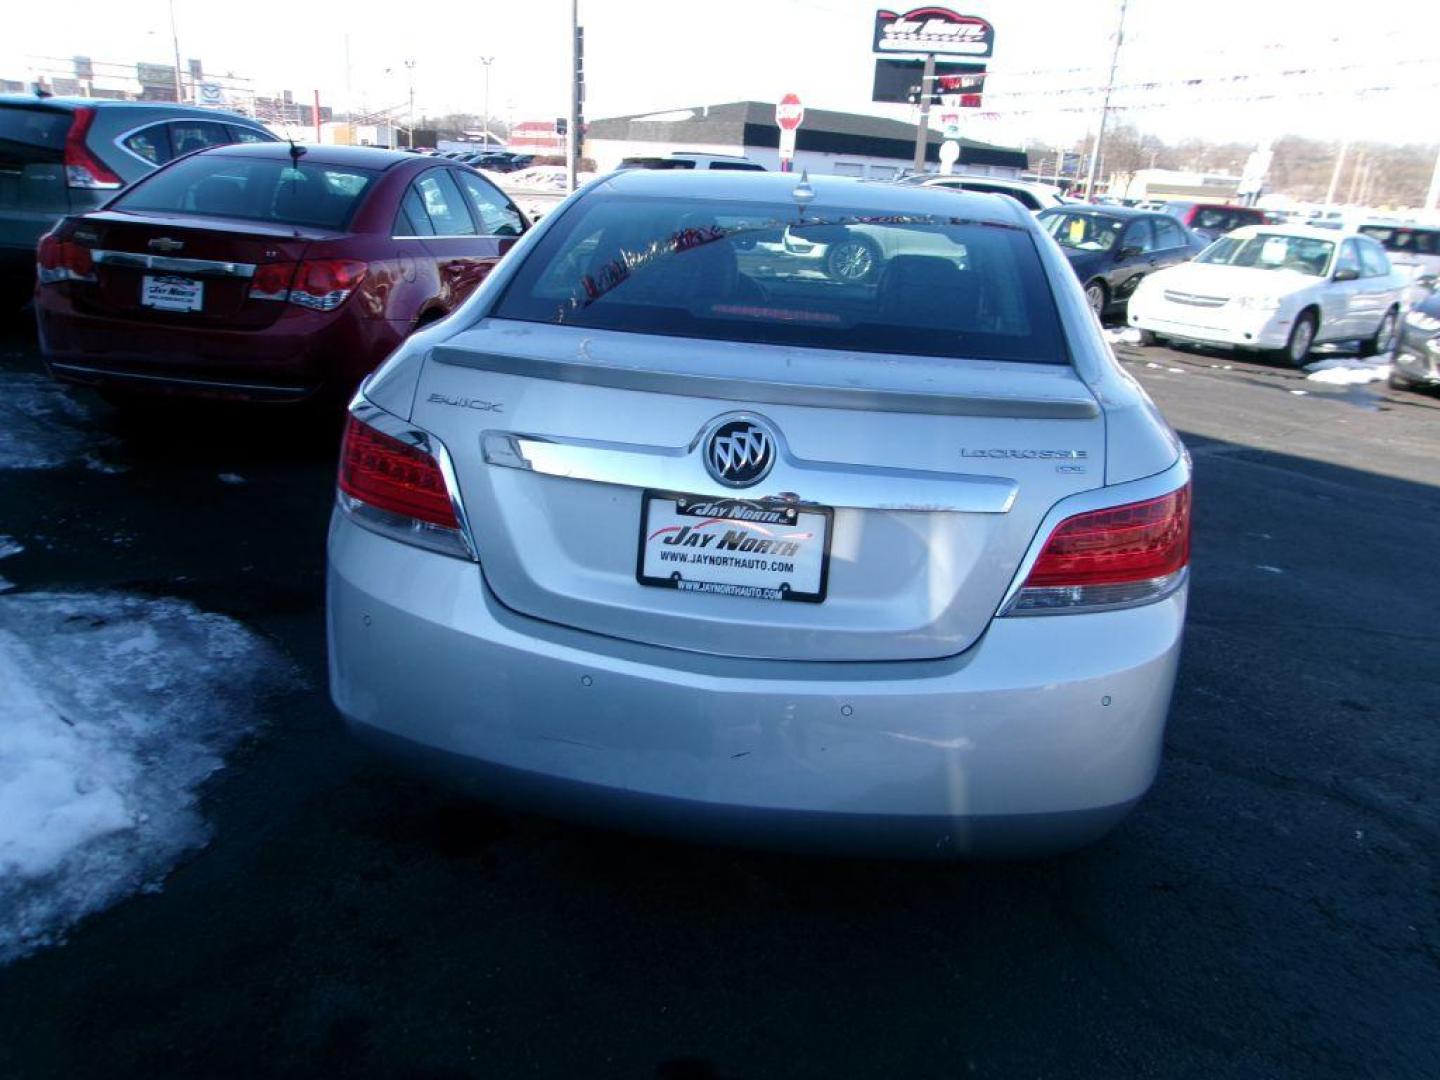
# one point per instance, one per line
(538, 178)
(41, 425)
(1122, 335)
(113, 710)
(1347, 371)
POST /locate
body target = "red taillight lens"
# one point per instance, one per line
(1120, 555)
(323, 284)
(82, 168)
(272, 281)
(63, 260)
(48, 254)
(387, 474)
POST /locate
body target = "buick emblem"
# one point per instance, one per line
(739, 453)
(164, 243)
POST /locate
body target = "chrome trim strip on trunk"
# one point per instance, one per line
(678, 468)
(767, 392)
(139, 260)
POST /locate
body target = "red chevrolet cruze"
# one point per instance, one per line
(264, 271)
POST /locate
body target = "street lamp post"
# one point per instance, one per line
(1105, 107)
(487, 60)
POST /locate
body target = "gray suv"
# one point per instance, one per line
(63, 156)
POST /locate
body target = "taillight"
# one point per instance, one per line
(272, 281)
(323, 284)
(82, 168)
(398, 488)
(318, 284)
(62, 260)
(1115, 557)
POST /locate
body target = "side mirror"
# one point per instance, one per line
(1346, 273)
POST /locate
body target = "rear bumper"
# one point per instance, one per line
(1037, 739)
(300, 355)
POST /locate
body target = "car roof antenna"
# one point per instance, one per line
(296, 151)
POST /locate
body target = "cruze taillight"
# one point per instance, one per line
(62, 260)
(1116, 557)
(318, 284)
(396, 486)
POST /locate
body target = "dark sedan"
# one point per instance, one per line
(263, 272)
(1111, 248)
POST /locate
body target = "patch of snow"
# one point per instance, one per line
(231, 478)
(115, 709)
(1176, 370)
(1299, 393)
(1127, 335)
(1152, 363)
(1347, 371)
(41, 425)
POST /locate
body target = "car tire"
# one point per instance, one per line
(854, 261)
(1301, 341)
(1149, 337)
(1383, 343)
(1097, 297)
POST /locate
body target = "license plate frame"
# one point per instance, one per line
(744, 581)
(172, 292)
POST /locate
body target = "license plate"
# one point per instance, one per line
(169, 293)
(734, 547)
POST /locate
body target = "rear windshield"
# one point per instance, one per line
(1225, 220)
(32, 134)
(253, 189)
(1403, 240)
(1271, 251)
(753, 272)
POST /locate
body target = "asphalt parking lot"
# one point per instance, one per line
(1271, 910)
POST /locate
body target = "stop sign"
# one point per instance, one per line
(789, 112)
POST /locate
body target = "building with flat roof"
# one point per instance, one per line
(827, 143)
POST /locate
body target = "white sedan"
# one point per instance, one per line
(1276, 288)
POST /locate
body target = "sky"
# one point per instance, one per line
(1241, 69)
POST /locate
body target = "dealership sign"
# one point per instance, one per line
(934, 30)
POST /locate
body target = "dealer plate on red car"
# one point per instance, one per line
(734, 547)
(169, 293)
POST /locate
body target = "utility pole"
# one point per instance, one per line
(175, 40)
(1335, 173)
(410, 135)
(577, 96)
(922, 130)
(486, 60)
(1105, 106)
(1355, 175)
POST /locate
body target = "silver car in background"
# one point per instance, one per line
(665, 529)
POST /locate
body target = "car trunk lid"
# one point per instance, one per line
(936, 473)
(138, 255)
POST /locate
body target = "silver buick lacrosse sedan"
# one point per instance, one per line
(673, 526)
